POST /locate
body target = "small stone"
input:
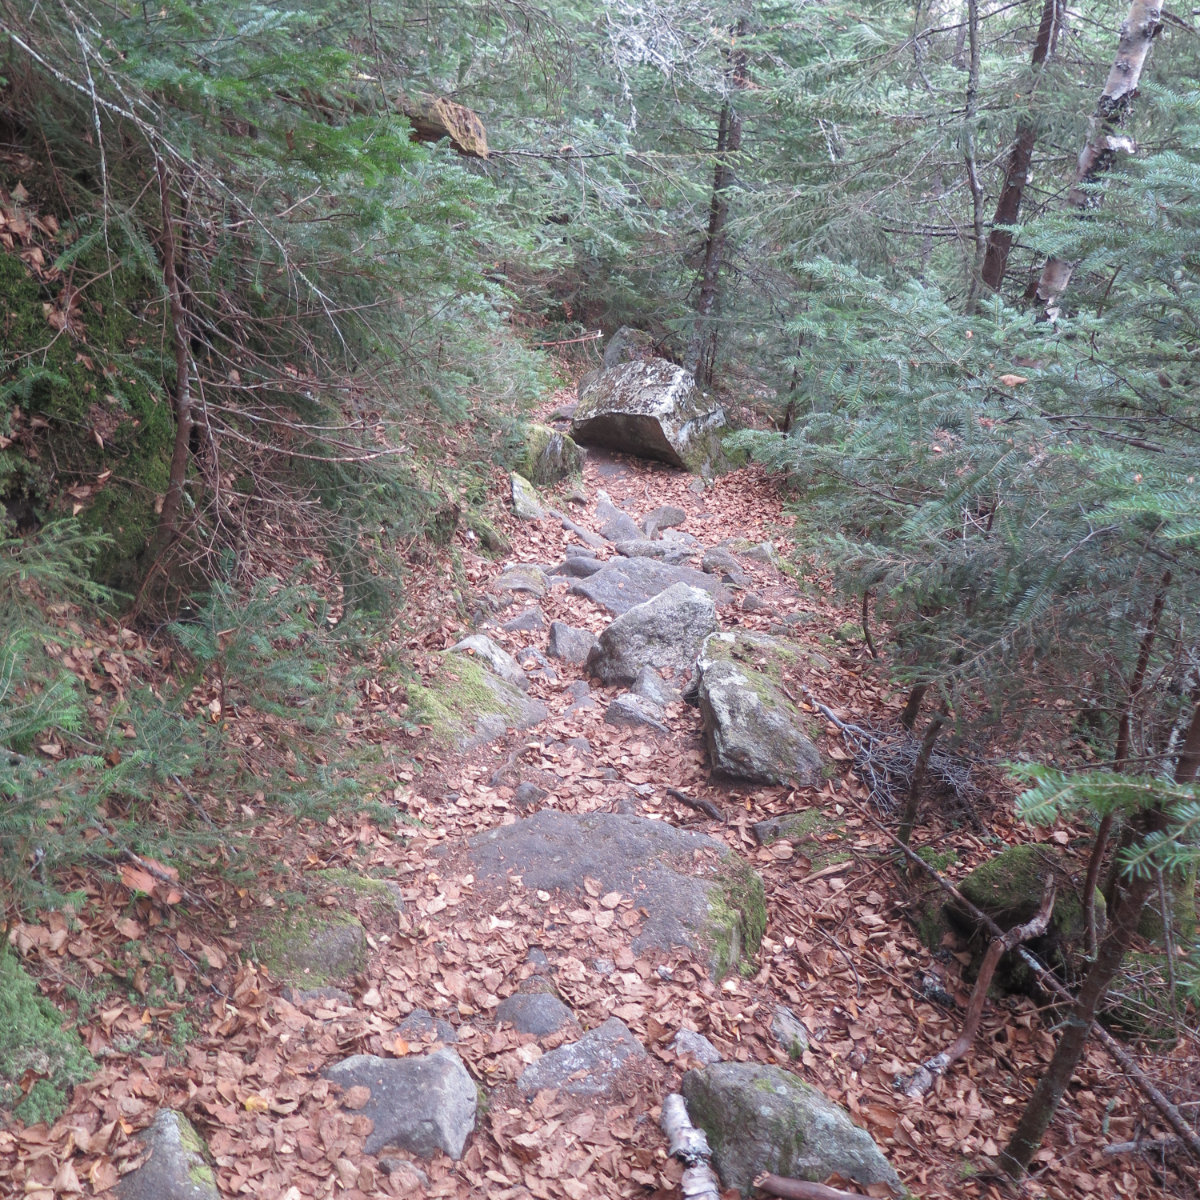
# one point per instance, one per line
(616, 525)
(570, 644)
(604, 966)
(538, 1013)
(695, 1045)
(529, 621)
(578, 566)
(588, 1067)
(696, 487)
(334, 995)
(764, 552)
(539, 960)
(628, 711)
(499, 662)
(752, 602)
(666, 516)
(719, 561)
(579, 744)
(422, 1026)
(528, 795)
(791, 1032)
(578, 495)
(524, 577)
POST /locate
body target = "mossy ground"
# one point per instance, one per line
(737, 909)
(34, 1046)
(293, 946)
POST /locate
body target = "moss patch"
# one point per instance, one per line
(312, 947)
(35, 1047)
(460, 691)
(814, 834)
(737, 920)
(1138, 1005)
(549, 456)
(383, 894)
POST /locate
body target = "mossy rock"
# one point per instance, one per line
(1008, 888)
(466, 706)
(34, 1045)
(737, 906)
(549, 456)
(1180, 887)
(311, 947)
(814, 834)
(381, 895)
(490, 538)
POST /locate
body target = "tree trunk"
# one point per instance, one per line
(1020, 157)
(1104, 139)
(168, 521)
(702, 347)
(916, 784)
(978, 241)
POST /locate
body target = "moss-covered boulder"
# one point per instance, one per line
(466, 706)
(309, 946)
(815, 835)
(40, 1061)
(759, 1118)
(176, 1166)
(549, 456)
(1009, 888)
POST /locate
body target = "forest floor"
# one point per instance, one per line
(226, 1047)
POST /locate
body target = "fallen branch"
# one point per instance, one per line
(801, 1189)
(1163, 1145)
(705, 806)
(921, 1080)
(689, 1145)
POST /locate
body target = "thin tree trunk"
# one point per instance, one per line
(912, 706)
(1104, 139)
(168, 521)
(978, 239)
(702, 347)
(916, 785)
(1020, 158)
(1121, 756)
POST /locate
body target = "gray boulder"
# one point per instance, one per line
(666, 516)
(177, 1167)
(422, 1026)
(616, 525)
(588, 1067)
(623, 582)
(578, 567)
(420, 1104)
(753, 730)
(538, 1013)
(650, 409)
(665, 631)
(570, 644)
(467, 706)
(549, 456)
(524, 499)
(791, 1032)
(529, 621)
(720, 561)
(628, 345)
(669, 552)
(500, 662)
(628, 711)
(527, 795)
(695, 1045)
(524, 577)
(761, 1118)
(694, 892)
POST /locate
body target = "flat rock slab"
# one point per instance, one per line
(670, 552)
(177, 1168)
(537, 1013)
(420, 1104)
(588, 1067)
(524, 577)
(628, 711)
(695, 892)
(623, 582)
(761, 1118)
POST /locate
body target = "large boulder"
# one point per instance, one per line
(623, 582)
(666, 631)
(760, 1118)
(650, 409)
(754, 731)
(570, 644)
(421, 1104)
(588, 1067)
(176, 1165)
(695, 893)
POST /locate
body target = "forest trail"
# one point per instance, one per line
(839, 950)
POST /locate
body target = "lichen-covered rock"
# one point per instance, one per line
(760, 1118)
(588, 1067)
(753, 730)
(570, 644)
(628, 345)
(420, 1104)
(466, 706)
(524, 499)
(695, 893)
(309, 946)
(177, 1166)
(499, 661)
(669, 552)
(650, 409)
(549, 456)
(623, 582)
(818, 836)
(666, 631)
(791, 1032)
(628, 711)
(524, 577)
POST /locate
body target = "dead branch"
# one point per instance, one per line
(1163, 1145)
(690, 1146)
(921, 1080)
(801, 1189)
(705, 806)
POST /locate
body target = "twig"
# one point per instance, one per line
(801, 1189)
(1163, 1145)
(866, 623)
(921, 1080)
(705, 806)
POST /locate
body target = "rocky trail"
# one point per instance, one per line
(580, 915)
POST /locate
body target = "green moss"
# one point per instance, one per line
(939, 860)
(813, 833)
(313, 947)
(737, 919)
(460, 691)
(33, 1042)
(548, 456)
(490, 538)
(383, 894)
